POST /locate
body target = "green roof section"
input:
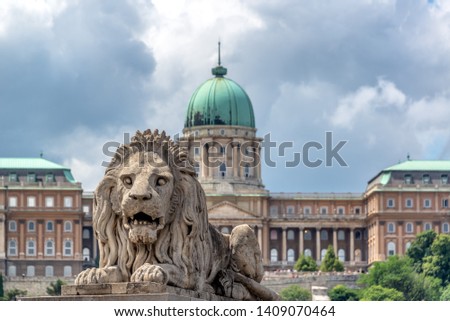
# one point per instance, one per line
(421, 165)
(220, 101)
(29, 163)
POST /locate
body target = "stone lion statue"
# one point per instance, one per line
(151, 223)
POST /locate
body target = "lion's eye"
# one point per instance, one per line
(127, 180)
(161, 182)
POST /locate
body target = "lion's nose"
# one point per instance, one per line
(142, 197)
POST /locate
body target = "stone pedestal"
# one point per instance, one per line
(127, 291)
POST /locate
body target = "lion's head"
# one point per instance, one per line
(149, 207)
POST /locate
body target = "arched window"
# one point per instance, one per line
(67, 271)
(31, 248)
(307, 235)
(49, 270)
(12, 270)
(427, 226)
(30, 270)
(290, 235)
(391, 228)
(358, 235)
(324, 235)
(341, 255)
(341, 235)
(290, 255)
(12, 247)
(409, 228)
(407, 245)
(12, 226)
(322, 254)
(445, 228)
(86, 234)
(223, 170)
(273, 255)
(86, 254)
(308, 252)
(68, 248)
(49, 248)
(67, 226)
(247, 170)
(31, 226)
(391, 248)
(273, 234)
(49, 226)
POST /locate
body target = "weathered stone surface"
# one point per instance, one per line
(151, 222)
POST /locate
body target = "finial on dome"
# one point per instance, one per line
(219, 71)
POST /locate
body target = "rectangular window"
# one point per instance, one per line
(307, 210)
(31, 177)
(49, 178)
(445, 203)
(12, 201)
(357, 210)
(49, 201)
(426, 179)
(427, 203)
(86, 209)
(324, 210)
(273, 210)
(12, 177)
(390, 203)
(341, 211)
(196, 150)
(408, 179)
(31, 201)
(290, 209)
(68, 201)
(409, 203)
(444, 179)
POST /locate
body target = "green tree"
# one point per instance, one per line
(437, 263)
(55, 288)
(379, 293)
(445, 296)
(305, 263)
(331, 262)
(295, 293)
(421, 248)
(342, 293)
(398, 273)
(11, 295)
(2, 293)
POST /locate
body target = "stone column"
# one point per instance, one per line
(76, 239)
(400, 238)
(381, 241)
(204, 161)
(40, 241)
(260, 239)
(2, 236)
(235, 160)
(335, 241)
(265, 249)
(58, 240)
(301, 241)
(283, 245)
(352, 245)
(318, 247)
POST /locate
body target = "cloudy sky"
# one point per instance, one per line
(77, 74)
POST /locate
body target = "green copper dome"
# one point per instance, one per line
(220, 101)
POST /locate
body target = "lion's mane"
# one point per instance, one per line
(186, 239)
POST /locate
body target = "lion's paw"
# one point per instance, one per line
(150, 273)
(99, 275)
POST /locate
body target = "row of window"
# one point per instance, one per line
(31, 247)
(31, 226)
(49, 270)
(290, 209)
(426, 179)
(409, 227)
(49, 201)
(409, 203)
(274, 256)
(307, 235)
(31, 177)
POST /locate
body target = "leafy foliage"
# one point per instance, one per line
(421, 248)
(305, 263)
(331, 262)
(55, 288)
(2, 293)
(295, 293)
(11, 295)
(342, 293)
(446, 294)
(437, 263)
(379, 293)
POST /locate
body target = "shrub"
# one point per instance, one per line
(295, 293)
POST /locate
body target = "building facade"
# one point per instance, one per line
(399, 202)
(41, 220)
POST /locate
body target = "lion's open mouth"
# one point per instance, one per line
(142, 218)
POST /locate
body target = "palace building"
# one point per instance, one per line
(365, 227)
(46, 219)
